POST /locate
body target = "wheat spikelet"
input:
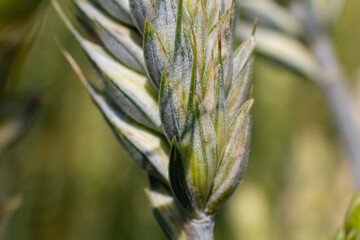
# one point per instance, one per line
(177, 97)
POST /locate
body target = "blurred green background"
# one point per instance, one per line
(78, 183)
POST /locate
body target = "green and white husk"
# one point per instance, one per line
(177, 97)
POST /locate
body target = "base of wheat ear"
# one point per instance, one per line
(176, 96)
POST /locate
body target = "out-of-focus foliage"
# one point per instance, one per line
(17, 10)
(279, 35)
(15, 117)
(351, 228)
(18, 25)
(19, 22)
(17, 30)
(79, 184)
(285, 33)
(7, 207)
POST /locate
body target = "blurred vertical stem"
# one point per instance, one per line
(332, 81)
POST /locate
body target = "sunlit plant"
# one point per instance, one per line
(176, 96)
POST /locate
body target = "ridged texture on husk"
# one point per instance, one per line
(179, 103)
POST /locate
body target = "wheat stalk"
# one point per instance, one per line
(176, 96)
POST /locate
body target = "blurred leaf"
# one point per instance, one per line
(17, 34)
(335, 9)
(270, 13)
(326, 11)
(8, 207)
(286, 50)
(15, 118)
(351, 229)
(17, 10)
